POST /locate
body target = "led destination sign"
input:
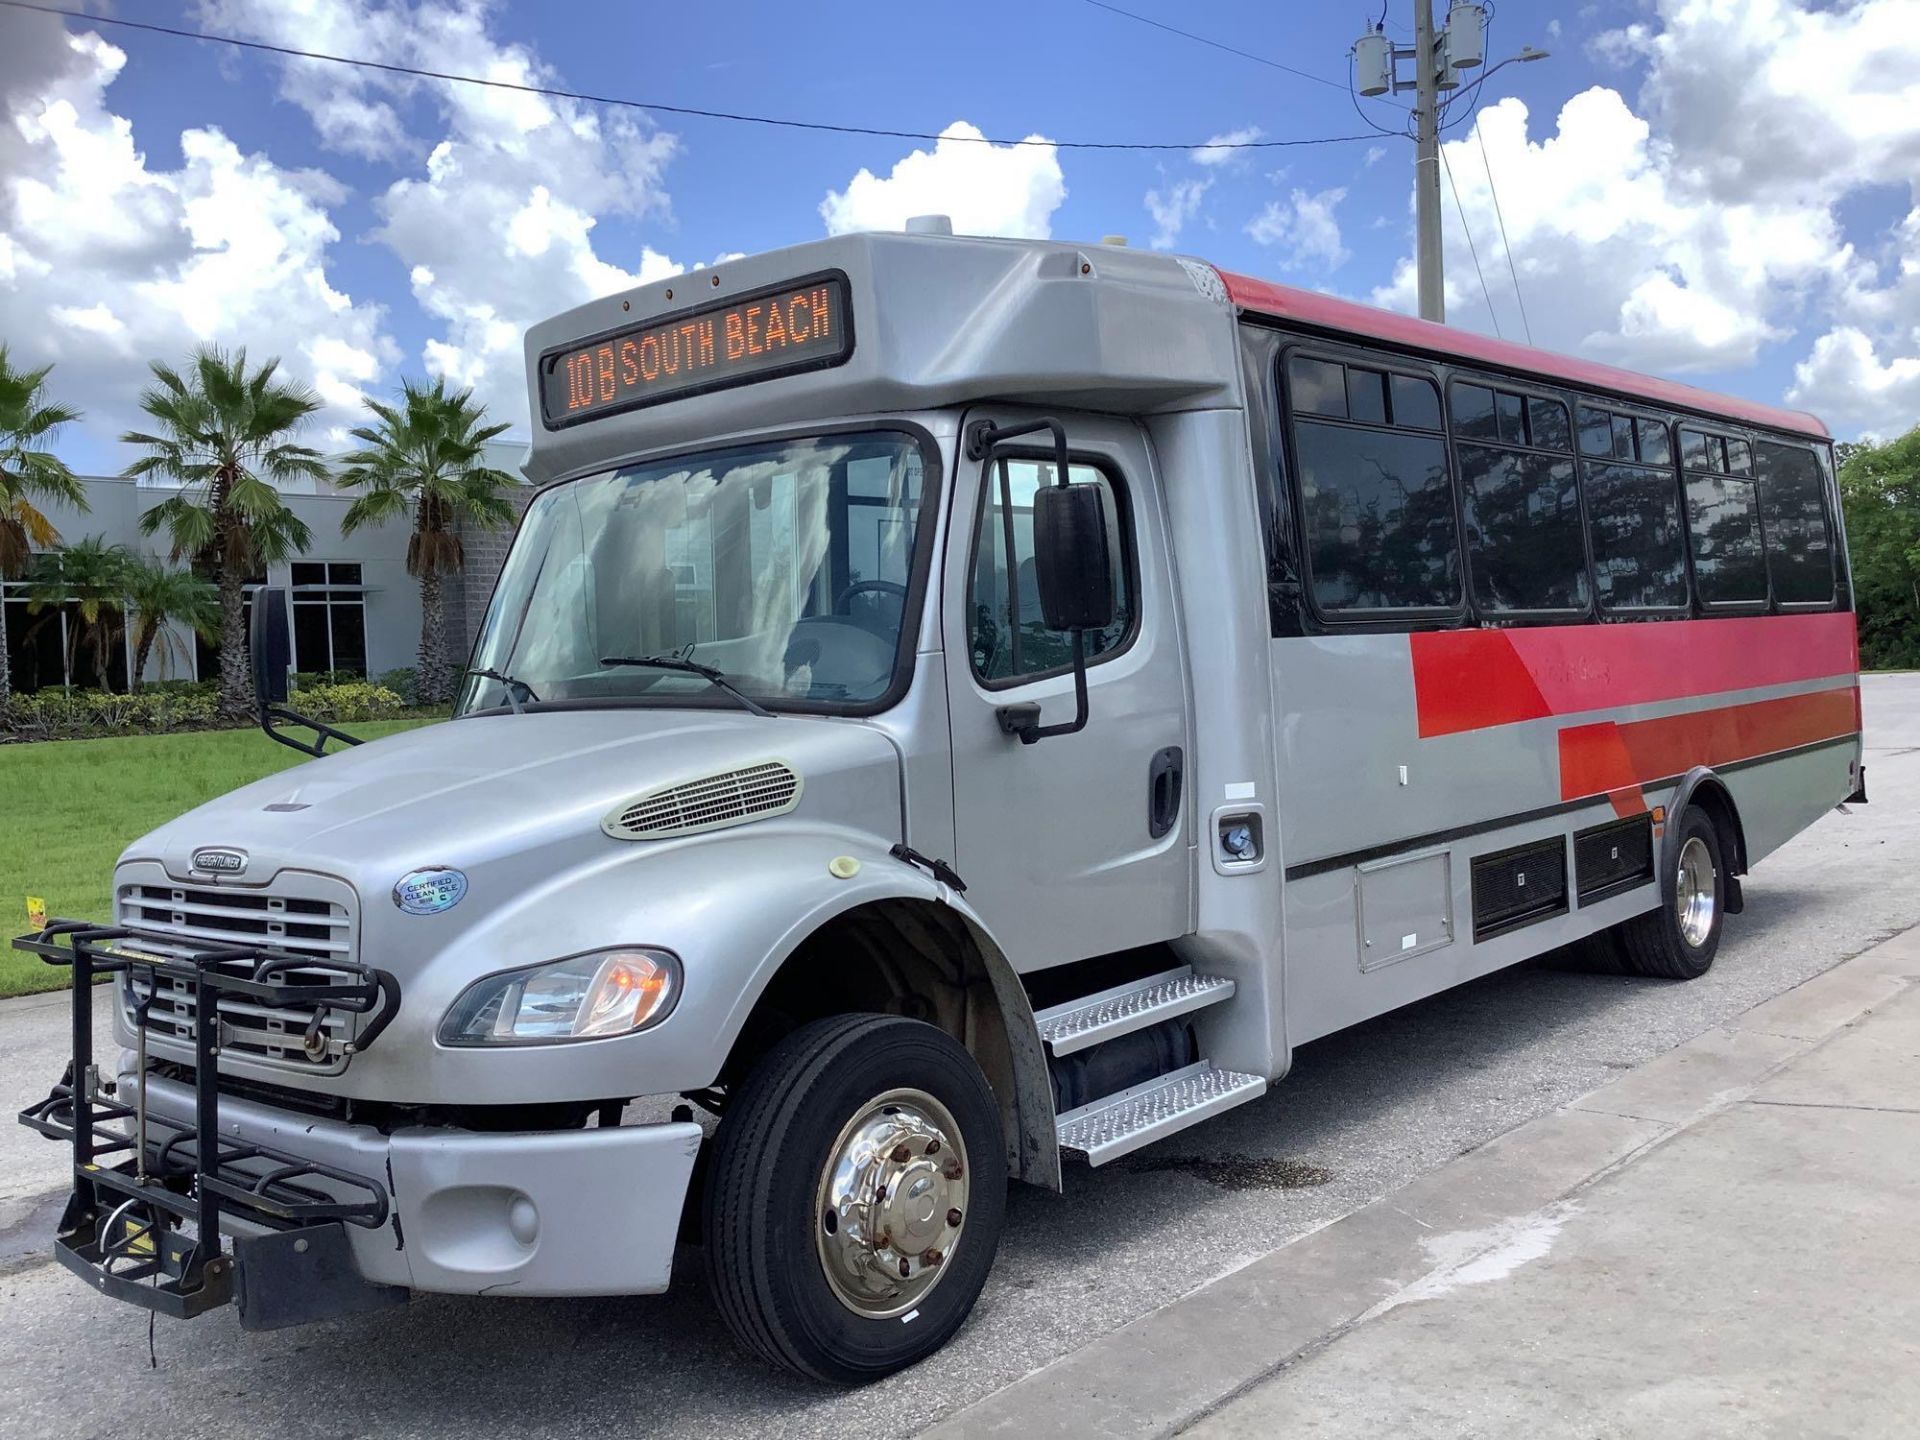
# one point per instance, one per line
(804, 326)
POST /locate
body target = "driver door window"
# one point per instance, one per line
(1008, 639)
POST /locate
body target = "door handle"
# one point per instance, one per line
(1163, 791)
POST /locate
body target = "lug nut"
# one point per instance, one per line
(932, 1257)
(933, 1147)
(906, 1269)
(953, 1219)
(900, 1154)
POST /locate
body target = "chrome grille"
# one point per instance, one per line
(311, 927)
(730, 798)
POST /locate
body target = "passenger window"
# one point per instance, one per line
(1415, 403)
(1523, 530)
(1639, 554)
(1739, 458)
(1008, 637)
(1623, 438)
(1723, 514)
(1654, 446)
(1317, 387)
(1799, 545)
(1693, 450)
(1473, 417)
(1376, 507)
(1596, 432)
(1366, 396)
(1512, 417)
(1547, 423)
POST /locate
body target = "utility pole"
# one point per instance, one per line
(1426, 166)
(1439, 57)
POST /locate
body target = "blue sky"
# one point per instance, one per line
(1757, 235)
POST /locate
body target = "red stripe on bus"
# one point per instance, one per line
(1608, 757)
(1471, 679)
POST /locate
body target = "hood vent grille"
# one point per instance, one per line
(731, 798)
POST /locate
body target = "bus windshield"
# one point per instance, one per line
(786, 566)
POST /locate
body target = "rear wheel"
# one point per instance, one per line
(1678, 941)
(855, 1198)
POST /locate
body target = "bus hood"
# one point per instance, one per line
(520, 798)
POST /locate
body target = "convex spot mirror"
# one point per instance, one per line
(271, 646)
(1071, 561)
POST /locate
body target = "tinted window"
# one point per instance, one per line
(1510, 410)
(1623, 438)
(1739, 458)
(1523, 530)
(1007, 634)
(1799, 547)
(1547, 420)
(1415, 402)
(1723, 516)
(1654, 446)
(1317, 387)
(1366, 396)
(1596, 432)
(1693, 450)
(1473, 417)
(1377, 516)
(1639, 556)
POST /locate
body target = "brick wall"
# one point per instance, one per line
(466, 599)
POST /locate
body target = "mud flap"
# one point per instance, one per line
(294, 1277)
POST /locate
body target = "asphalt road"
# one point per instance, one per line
(1363, 1112)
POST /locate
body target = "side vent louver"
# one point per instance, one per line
(732, 797)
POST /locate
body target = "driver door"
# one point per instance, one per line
(1078, 844)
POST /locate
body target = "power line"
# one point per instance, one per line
(1494, 189)
(1472, 249)
(1212, 44)
(622, 102)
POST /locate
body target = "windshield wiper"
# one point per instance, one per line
(717, 678)
(509, 684)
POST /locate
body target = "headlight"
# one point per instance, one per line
(586, 997)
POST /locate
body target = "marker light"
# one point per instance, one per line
(584, 997)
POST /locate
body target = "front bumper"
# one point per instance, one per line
(561, 1212)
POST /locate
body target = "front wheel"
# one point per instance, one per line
(1678, 941)
(855, 1198)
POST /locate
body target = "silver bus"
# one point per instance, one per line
(956, 710)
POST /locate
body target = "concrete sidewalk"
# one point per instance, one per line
(1724, 1241)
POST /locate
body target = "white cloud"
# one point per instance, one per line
(986, 189)
(1304, 228)
(497, 221)
(1172, 207)
(1222, 148)
(1375, 154)
(107, 261)
(1705, 231)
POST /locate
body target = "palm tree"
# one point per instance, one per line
(91, 576)
(28, 474)
(426, 458)
(223, 434)
(156, 595)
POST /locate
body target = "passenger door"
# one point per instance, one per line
(1057, 841)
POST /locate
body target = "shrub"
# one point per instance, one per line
(58, 715)
(404, 683)
(356, 700)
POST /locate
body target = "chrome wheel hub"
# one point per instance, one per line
(891, 1204)
(1695, 893)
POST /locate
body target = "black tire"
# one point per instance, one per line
(763, 1255)
(1654, 944)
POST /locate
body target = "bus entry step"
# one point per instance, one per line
(1118, 1124)
(1094, 1018)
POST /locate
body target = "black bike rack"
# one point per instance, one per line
(145, 1227)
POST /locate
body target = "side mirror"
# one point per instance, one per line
(1070, 558)
(271, 648)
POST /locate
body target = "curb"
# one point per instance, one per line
(1164, 1371)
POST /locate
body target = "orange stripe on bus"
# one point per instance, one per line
(1608, 757)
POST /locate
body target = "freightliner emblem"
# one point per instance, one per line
(218, 860)
(429, 891)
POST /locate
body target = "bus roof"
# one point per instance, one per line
(1327, 312)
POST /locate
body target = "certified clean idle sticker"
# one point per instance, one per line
(430, 891)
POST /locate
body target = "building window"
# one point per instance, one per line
(1009, 638)
(1376, 505)
(1523, 504)
(329, 617)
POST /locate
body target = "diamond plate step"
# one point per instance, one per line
(1118, 1124)
(1093, 1018)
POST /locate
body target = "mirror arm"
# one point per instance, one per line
(315, 747)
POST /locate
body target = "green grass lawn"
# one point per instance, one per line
(72, 806)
